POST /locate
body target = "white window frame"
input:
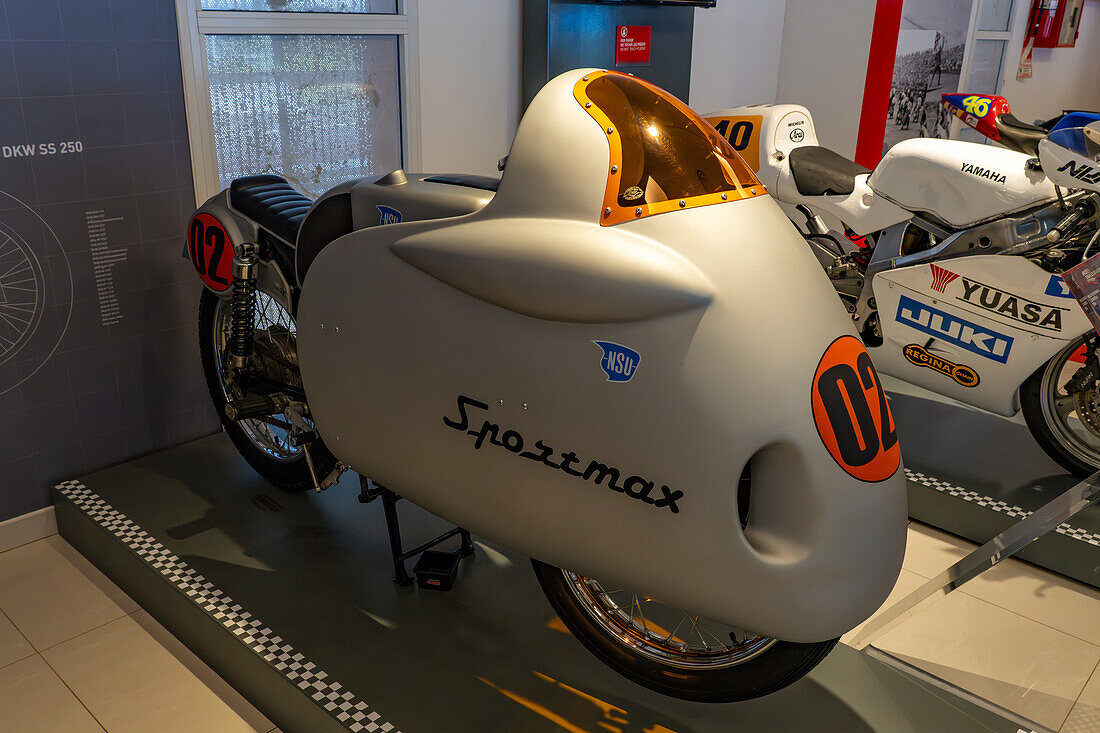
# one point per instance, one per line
(195, 24)
(973, 35)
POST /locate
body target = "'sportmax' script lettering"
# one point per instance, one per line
(635, 487)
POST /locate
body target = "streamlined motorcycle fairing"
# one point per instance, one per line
(590, 395)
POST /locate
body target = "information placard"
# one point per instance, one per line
(632, 45)
(1082, 281)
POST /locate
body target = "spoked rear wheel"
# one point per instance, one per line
(672, 651)
(263, 442)
(1065, 423)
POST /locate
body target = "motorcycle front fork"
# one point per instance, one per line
(1087, 376)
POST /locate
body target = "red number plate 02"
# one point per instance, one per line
(211, 251)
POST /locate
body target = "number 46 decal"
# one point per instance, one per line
(977, 105)
(851, 412)
(211, 251)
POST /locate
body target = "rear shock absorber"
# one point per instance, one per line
(242, 306)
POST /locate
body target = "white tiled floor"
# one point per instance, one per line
(77, 654)
(1023, 638)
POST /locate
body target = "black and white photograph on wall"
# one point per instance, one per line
(927, 64)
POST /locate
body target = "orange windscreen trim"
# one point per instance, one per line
(615, 213)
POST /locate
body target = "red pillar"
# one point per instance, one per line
(876, 89)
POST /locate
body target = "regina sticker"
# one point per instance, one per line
(964, 375)
(851, 412)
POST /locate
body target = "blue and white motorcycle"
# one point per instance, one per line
(949, 255)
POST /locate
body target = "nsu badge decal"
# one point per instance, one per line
(619, 362)
(388, 215)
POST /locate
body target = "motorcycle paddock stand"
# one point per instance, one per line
(368, 492)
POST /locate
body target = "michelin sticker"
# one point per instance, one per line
(954, 330)
(619, 363)
(388, 215)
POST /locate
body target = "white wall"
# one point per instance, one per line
(735, 54)
(471, 53)
(823, 65)
(1062, 78)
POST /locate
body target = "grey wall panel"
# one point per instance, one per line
(560, 35)
(98, 359)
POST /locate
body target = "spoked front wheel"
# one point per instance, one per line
(1061, 405)
(672, 651)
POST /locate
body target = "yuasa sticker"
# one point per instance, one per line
(619, 362)
(1013, 307)
(211, 251)
(851, 412)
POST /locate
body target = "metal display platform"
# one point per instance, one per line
(290, 598)
(975, 474)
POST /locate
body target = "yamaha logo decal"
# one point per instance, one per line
(941, 278)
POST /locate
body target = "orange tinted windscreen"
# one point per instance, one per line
(667, 153)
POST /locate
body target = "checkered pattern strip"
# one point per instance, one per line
(996, 505)
(341, 703)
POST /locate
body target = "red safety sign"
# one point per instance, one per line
(632, 45)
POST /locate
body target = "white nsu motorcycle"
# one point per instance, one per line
(569, 362)
(951, 257)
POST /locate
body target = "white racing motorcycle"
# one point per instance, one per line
(950, 258)
(577, 367)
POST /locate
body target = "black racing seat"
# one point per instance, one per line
(272, 203)
(818, 171)
(1018, 135)
(485, 183)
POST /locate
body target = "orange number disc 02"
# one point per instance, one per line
(211, 251)
(851, 412)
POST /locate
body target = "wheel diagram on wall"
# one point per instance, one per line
(36, 291)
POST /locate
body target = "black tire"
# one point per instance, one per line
(289, 473)
(1056, 440)
(777, 666)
